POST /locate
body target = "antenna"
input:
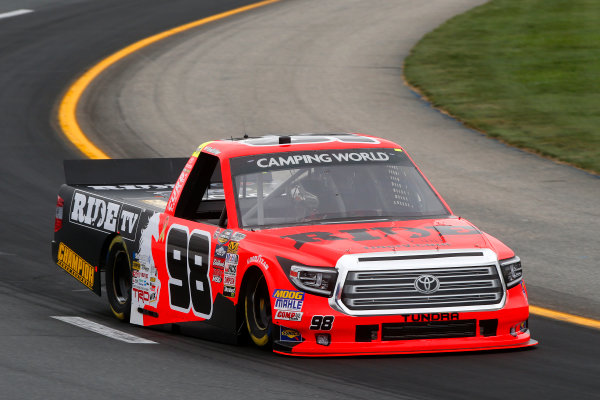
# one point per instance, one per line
(244, 128)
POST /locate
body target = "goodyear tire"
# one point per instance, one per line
(257, 307)
(118, 279)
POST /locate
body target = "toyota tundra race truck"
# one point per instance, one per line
(313, 245)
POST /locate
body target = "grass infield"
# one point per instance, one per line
(524, 71)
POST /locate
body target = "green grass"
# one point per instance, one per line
(524, 71)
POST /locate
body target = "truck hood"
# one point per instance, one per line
(325, 244)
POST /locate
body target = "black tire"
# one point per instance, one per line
(118, 279)
(257, 311)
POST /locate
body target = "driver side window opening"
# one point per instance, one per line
(203, 197)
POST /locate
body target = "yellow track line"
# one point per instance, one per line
(68, 121)
(68, 106)
(561, 316)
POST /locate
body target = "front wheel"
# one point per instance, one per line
(257, 308)
(118, 279)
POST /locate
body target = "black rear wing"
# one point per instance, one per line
(123, 171)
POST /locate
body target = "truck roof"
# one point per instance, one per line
(237, 147)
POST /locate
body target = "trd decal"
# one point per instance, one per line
(365, 234)
(187, 259)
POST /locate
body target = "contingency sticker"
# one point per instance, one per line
(290, 300)
(290, 335)
(145, 285)
(75, 265)
(229, 274)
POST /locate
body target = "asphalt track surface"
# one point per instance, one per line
(237, 75)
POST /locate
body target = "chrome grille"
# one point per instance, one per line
(374, 290)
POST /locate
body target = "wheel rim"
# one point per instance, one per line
(121, 277)
(260, 305)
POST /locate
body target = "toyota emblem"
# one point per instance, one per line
(427, 284)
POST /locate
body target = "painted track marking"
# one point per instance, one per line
(68, 106)
(71, 129)
(15, 13)
(561, 316)
(103, 330)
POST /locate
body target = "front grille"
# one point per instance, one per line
(396, 289)
(429, 330)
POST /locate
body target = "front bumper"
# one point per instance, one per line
(487, 330)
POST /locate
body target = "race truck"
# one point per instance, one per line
(309, 245)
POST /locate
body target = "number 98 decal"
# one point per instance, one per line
(322, 322)
(188, 261)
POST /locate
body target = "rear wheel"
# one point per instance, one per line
(118, 279)
(257, 306)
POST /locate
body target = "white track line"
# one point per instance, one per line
(15, 13)
(103, 330)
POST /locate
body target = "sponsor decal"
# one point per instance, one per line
(232, 247)
(217, 275)
(322, 158)
(258, 260)
(104, 215)
(218, 263)
(220, 251)
(431, 317)
(366, 234)
(75, 265)
(177, 189)
(230, 269)
(229, 291)
(144, 296)
(131, 187)
(290, 300)
(229, 280)
(145, 290)
(212, 150)
(145, 284)
(225, 236)
(232, 259)
(238, 236)
(290, 335)
(288, 315)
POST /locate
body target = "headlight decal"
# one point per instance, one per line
(512, 271)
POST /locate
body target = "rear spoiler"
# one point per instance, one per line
(123, 171)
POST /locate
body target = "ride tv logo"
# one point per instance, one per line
(291, 300)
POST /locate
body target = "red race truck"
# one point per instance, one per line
(310, 244)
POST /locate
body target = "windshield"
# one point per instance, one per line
(331, 186)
